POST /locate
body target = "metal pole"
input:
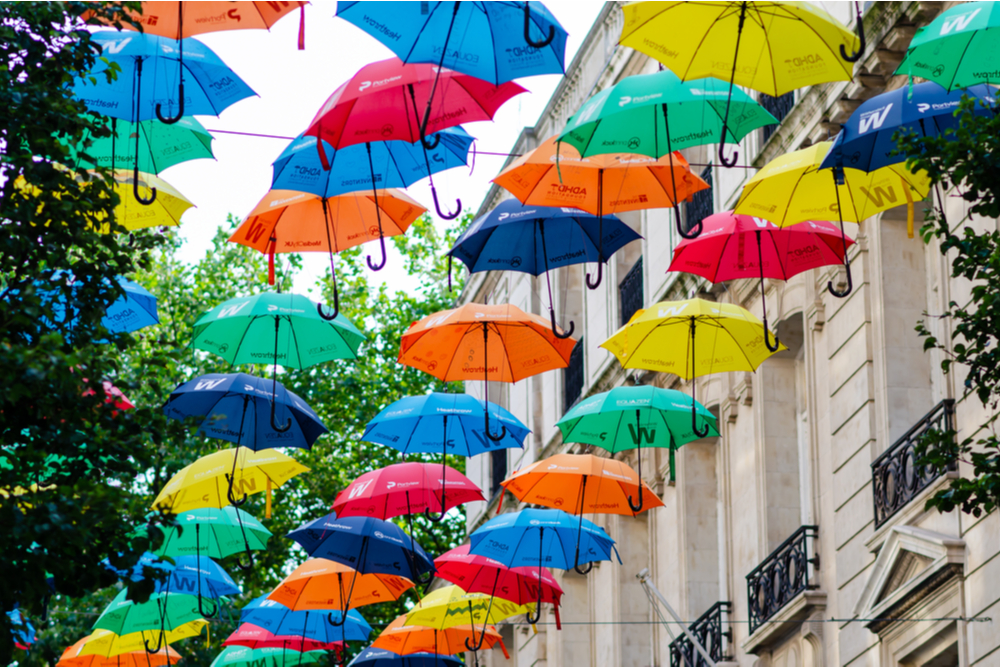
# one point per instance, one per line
(643, 578)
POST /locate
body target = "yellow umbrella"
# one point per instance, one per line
(690, 339)
(204, 483)
(108, 644)
(792, 189)
(165, 211)
(450, 606)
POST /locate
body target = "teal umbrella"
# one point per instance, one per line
(162, 612)
(242, 656)
(160, 145)
(213, 532)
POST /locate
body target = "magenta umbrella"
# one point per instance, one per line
(741, 246)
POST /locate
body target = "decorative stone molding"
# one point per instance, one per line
(809, 605)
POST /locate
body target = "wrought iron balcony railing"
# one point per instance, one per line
(896, 477)
(708, 630)
(783, 575)
(573, 377)
(630, 292)
(779, 107)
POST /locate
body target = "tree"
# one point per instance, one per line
(967, 159)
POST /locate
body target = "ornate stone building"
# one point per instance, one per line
(798, 538)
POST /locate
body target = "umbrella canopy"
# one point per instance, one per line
(165, 208)
(512, 236)
(409, 639)
(163, 612)
(323, 626)
(113, 396)
(554, 174)
(241, 656)
(107, 644)
(187, 574)
(71, 658)
(377, 657)
(203, 483)
(420, 425)
(176, 18)
(22, 631)
(135, 309)
(406, 488)
(450, 605)
(213, 532)
(958, 49)
(320, 583)
(160, 145)
(253, 636)
(794, 188)
(493, 41)
(729, 244)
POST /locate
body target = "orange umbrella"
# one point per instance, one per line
(599, 184)
(321, 584)
(290, 221)
(561, 481)
(405, 639)
(456, 345)
(71, 658)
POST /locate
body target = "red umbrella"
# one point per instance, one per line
(405, 488)
(479, 574)
(113, 396)
(734, 246)
(254, 636)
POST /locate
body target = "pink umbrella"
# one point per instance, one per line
(741, 246)
(254, 636)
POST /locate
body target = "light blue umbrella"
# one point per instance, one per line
(326, 626)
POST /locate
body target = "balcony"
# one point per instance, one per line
(702, 203)
(708, 630)
(779, 107)
(573, 377)
(896, 477)
(630, 292)
(782, 576)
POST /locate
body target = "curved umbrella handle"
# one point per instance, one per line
(250, 561)
(489, 434)
(538, 610)
(600, 276)
(767, 339)
(693, 234)
(478, 645)
(638, 450)
(229, 493)
(135, 187)
(274, 424)
(206, 614)
(336, 624)
(567, 333)
(180, 109)
(442, 214)
(576, 561)
(722, 158)
(429, 144)
(856, 56)
(159, 644)
(433, 519)
(444, 483)
(694, 426)
(336, 309)
(381, 265)
(527, 32)
(850, 283)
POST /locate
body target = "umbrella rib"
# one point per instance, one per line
(703, 39)
(496, 62)
(777, 254)
(767, 44)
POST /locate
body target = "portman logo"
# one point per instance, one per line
(626, 99)
(365, 85)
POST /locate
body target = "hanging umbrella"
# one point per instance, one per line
(446, 345)
(958, 49)
(560, 482)
(656, 114)
(135, 309)
(213, 532)
(160, 146)
(253, 636)
(377, 657)
(71, 657)
(795, 188)
(22, 631)
(288, 221)
(106, 644)
(369, 545)
(534, 537)
(786, 45)
(730, 243)
(163, 612)
(325, 627)
(406, 488)
(512, 237)
(394, 164)
(113, 396)
(192, 575)
(216, 86)
(410, 639)
(241, 656)
(321, 584)
(667, 336)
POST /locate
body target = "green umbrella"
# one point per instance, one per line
(160, 145)
(242, 656)
(656, 114)
(629, 417)
(215, 533)
(163, 612)
(958, 49)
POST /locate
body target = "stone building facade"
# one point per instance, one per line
(798, 538)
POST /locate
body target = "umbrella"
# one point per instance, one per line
(410, 639)
(377, 657)
(163, 612)
(113, 396)
(185, 575)
(663, 338)
(958, 49)
(320, 583)
(795, 188)
(656, 114)
(205, 483)
(239, 331)
(730, 243)
(230, 407)
(216, 86)
(241, 656)
(253, 636)
(561, 481)
(367, 544)
(135, 309)
(444, 607)
(213, 532)
(160, 145)
(107, 644)
(535, 537)
(321, 627)
(446, 345)
(22, 631)
(406, 488)
(72, 657)
(396, 164)
(289, 221)
(786, 45)
(512, 236)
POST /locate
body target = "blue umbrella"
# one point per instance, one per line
(134, 310)
(185, 576)
(235, 407)
(166, 62)
(280, 620)
(22, 631)
(551, 538)
(402, 164)
(513, 237)
(377, 657)
(481, 39)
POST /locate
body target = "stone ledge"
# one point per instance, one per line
(803, 606)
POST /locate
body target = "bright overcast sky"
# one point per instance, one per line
(293, 84)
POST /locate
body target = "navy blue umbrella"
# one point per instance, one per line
(379, 657)
(535, 239)
(236, 407)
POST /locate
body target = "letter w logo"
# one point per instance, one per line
(117, 46)
(255, 231)
(878, 195)
(208, 384)
(647, 434)
(229, 311)
(182, 584)
(960, 22)
(358, 489)
(672, 311)
(873, 119)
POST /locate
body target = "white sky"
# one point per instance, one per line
(293, 84)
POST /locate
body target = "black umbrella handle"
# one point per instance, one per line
(344, 601)
(333, 270)
(274, 385)
(378, 215)
(701, 433)
(856, 56)
(279, 428)
(532, 619)
(135, 170)
(548, 283)
(180, 107)
(180, 64)
(159, 644)
(638, 450)
(600, 276)
(444, 472)
(763, 297)
(579, 534)
(527, 31)
(838, 180)
(207, 614)
(689, 235)
(729, 100)
(555, 331)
